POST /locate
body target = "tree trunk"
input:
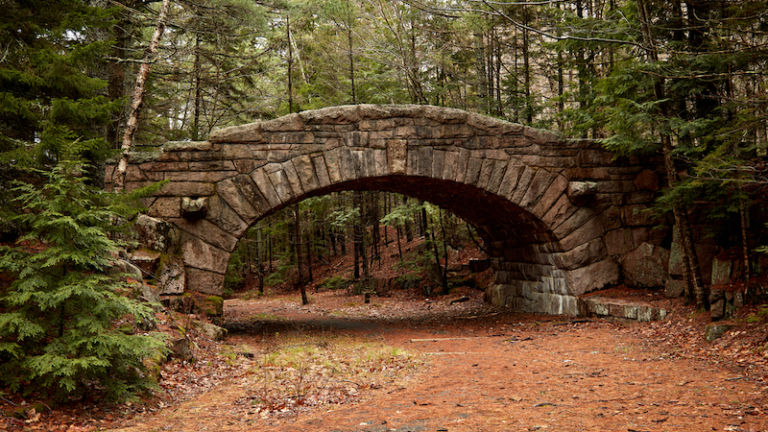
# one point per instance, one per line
(355, 253)
(386, 212)
(527, 70)
(433, 240)
(138, 97)
(357, 234)
(260, 260)
(116, 76)
(399, 247)
(310, 245)
(198, 91)
(375, 231)
(445, 254)
(424, 220)
(361, 231)
(408, 230)
(297, 249)
(745, 272)
(353, 90)
(290, 63)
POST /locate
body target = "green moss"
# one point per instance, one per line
(217, 301)
(210, 305)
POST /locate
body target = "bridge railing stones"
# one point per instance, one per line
(558, 211)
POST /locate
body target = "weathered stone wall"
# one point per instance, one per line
(556, 213)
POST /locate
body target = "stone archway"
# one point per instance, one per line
(552, 211)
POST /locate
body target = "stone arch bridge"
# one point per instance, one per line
(556, 214)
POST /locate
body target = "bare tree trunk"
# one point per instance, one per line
(515, 73)
(407, 228)
(376, 231)
(357, 234)
(260, 261)
(445, 253)
(399, 247)
(138, 97)
(527, 70)
(386, 212)
(332, 238)
(198, 91)
(431, 235)
(361, 232)
(290, 63)
(489, 71)
(310, 242)
(353, 90)
(424, 219)
(297, 249)
(744, 245)
(497, 45)
(116, 77)
(355, 252)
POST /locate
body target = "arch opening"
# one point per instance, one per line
(398, 243)
(524, 253)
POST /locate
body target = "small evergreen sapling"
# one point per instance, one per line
(64, 316)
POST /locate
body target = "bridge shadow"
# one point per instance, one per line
(320, 323)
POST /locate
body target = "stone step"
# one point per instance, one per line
(623, 308)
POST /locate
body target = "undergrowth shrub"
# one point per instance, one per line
(333, 283)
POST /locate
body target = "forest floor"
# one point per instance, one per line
(404, 362)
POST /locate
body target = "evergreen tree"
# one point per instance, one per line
(52, 103)
(680, 87)
(68, 320)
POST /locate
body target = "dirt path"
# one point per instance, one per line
(494, 373)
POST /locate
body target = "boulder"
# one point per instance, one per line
(646, 266)
(674, 288)
(675, 258)
(179, 303)
(181, 349)
(706, 251)
(211, 331)
(150, 293)
(714, 331)
(208, 305)
(716, 304)
(721, 271)
(724, 301)
(734, 300)
(125, 267)
(172, 277)
(155, 234)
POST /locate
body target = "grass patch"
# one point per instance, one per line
(263, 316)
(305, 371)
